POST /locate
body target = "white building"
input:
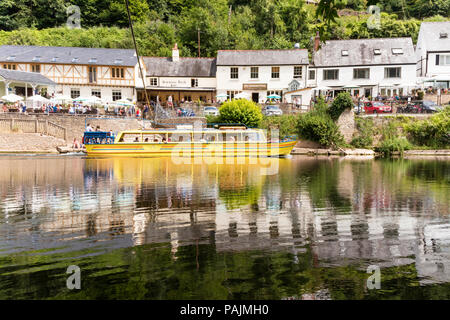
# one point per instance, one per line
(370, 66)
(181, 79)
(110, 74)
(260, 73)
(433, 53)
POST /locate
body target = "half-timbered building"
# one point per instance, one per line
(110, 74)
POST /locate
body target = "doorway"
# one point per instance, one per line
(255, 97)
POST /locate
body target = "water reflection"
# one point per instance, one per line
(308, 214)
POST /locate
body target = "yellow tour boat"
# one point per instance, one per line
(226, 141)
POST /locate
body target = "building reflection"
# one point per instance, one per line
(344, 211)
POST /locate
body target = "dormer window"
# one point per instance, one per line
(75, 60)
(377, 52)
(118, 61)
(93, 60)
(54, 59)
(397, 51)
(443, 35)
(37, 58)
(11, 58)
(344, 53)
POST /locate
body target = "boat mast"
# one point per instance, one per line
(137, 53)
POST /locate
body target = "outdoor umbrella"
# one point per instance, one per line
(241, 95)
(38, 98)
(124, 102)
(12, 98)
(222, 95)
(61, 98)
(274, 96)
(350, 86)
(322, 89)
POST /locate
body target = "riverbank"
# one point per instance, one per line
(29, 143)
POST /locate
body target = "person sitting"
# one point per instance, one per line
(146, 140)
(136, 139)
(164, 140)
(97, 128)
(89, 128)
(75, 144)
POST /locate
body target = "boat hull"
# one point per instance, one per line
(193, 149)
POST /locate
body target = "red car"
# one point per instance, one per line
(376, 107)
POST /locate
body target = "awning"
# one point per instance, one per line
(25, 77)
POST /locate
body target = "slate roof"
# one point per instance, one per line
(262, 57)
(362, 52)
(65, 55)
(185, 67)
(28, 77)
(430, 35)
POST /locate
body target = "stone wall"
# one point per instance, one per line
(346, 124)
(75, 125)
(444, 99)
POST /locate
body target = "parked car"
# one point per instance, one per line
(272, 110)
(376, 107)
(427, 106)
(210, 111)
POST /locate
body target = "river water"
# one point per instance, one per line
(298, 228)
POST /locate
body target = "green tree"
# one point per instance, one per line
(241, 111)
(342, 102)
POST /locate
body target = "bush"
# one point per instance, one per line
(318, 126)
(241, 111)
(420, 95)
(396, 144)
(433, 132)
(342, 102)
(286, 124)
(366, 132)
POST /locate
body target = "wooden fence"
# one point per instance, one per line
(33, 126)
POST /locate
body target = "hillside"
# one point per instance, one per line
(223, 24)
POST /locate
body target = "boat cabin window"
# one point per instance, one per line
(130, 138)
(180, 137)
(154, 137)
(210, 137)
(251, 136)
(231, 136)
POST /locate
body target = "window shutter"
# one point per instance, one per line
(437, 59)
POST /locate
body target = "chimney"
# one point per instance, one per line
(175, 54)
(317, 42)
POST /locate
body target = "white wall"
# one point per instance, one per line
(433, 69)
(86, 91)
(225, 83)
(182, 82)
(408, 76)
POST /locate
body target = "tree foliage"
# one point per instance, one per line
(318, 126)
(241, 111)
(342, 102)
(223, 24)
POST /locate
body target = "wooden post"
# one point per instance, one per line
(65, 134)
(46, 127)
(12, 124)
(36, 126)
